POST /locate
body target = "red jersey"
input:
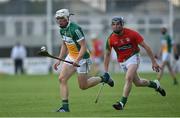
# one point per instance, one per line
(97, 48)
(125, 45)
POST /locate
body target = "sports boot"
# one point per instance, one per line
(61, 109)
(159, 89)
(107, 79)
(118, 106)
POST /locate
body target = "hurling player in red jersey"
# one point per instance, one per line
(125, 42)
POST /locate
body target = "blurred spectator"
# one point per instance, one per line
(97, 54)
(166, 48)
(18, 54)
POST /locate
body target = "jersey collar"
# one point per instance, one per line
(120, 34)
(67, 25)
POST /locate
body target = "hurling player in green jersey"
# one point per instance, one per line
(165, 52)
(75, 49)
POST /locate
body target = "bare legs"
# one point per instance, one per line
(172, 73)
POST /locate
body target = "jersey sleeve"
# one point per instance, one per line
(108, 45)
(138, 37)
(172, 41)
(78, 34)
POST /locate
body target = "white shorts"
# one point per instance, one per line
(166, 57)
(84, 64)
(97, 60)
(135, 59)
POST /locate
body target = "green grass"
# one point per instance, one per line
(30, 96)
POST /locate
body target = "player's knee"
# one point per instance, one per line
(129, 79)
(62, 80)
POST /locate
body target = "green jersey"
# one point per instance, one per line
(166, 43)
(71, 35)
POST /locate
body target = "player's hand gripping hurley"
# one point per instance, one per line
(44, 53)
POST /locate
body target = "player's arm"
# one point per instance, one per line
(63, 50)
(148, 50)
(175, 51)
(79, 35)
(82, 50)
(107, 56)
(160, 51)
(155, 66)
(107, 60)
(61, 55)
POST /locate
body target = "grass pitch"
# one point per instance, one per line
(38, 96)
